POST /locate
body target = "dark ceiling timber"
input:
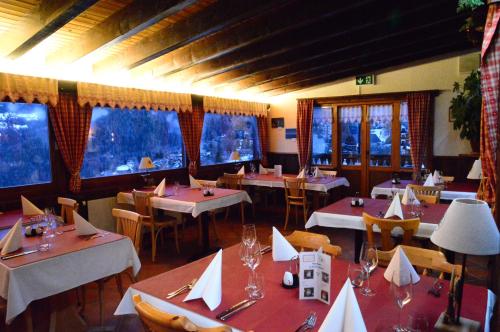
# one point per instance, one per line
(336, 33)
(213, 19)
(123, 24)
(293, 15)
(47, 18)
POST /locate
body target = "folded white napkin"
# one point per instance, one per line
(193, 183)
(395, 208)
(344, 315)
(29, 209)
(13, 239)
(242, 170)
(317, 172)
(408, 195)
(401, 268)
(160, 189)
(282, 249)
(429, 182)
(82, 226)
(436, 177)
(301, 174)
(278, 171)
(262, 169)
(209, 286)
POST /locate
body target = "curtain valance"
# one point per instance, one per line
(403, 112)
(350, 114)
(28, 88)
(234, 106)
(380, 113)
(96, 94)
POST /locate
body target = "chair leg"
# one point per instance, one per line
(119, 285)
(253, 212)
(214, 225)
(100, 286)
(305, 215)
(227, 214)
(287, 215)
(296, 208)
(200, 230)
(28, 317)
(242, 213)
(153, 243)
(176, 236)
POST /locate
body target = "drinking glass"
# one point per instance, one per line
(176, 188)
(252, 256)
(402, 294)
(252, 170)
(369, 260)
(418, 323)
(47, 239)
(356, 275)
(242, 253)
(255, 288)
(249, 235)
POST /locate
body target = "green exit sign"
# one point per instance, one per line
(365, 79)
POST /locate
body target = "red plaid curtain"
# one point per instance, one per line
(304, 130)
(191, 124)
(420, 123)
(263, 139)
(71, 125)
(490, 77)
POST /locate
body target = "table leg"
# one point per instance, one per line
(205, 238)
(358, 242)
(315, 202)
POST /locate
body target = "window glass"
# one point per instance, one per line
(24, 145)
(350, 136)
(405, 137)
(380, 119)
(322, 136)
(118, 139)
(224, 134)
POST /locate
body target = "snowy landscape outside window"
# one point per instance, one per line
(405, 136)
(380, 119)
(322, 136)
(350, 136)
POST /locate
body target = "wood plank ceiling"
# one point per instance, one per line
(267, 47)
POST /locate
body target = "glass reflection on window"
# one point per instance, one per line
(380, 117)
(350, 136)
(322, 136)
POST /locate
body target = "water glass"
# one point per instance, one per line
(176, 188)
(356, 275)
(418, 323)
(402, 295)
(255, 287)
(252, 256)
(369, 261)
(47, 239)
(249, 234)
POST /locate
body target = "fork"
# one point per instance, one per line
(309, 323)
(183, 289)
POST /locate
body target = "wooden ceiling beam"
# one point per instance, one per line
(123, 24)
(410, 14)
(295, 15)
(48, 17)
(442, 51)
(215, 18)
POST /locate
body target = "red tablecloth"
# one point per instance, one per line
(271, 177)
(281, 310)
(453, 186)
(9, 218)
(194, 195)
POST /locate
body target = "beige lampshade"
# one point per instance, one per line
(146, 163)
(475, 172)
(235, 155)
(468, 227)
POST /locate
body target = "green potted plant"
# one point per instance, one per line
(466, 109)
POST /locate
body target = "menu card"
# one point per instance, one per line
(314, 276)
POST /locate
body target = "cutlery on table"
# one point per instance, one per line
(68, 230)
(27, 252)
(238, 309)
(436, 287)
(233, 307)
(265, 249)
(309, 323)
(182, 289)
(95, 236)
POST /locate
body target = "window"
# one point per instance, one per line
(350, 136)
(118, 139)
(405, 136)
(322, 136)
(224, 134)
(24, 145)
(380, 120)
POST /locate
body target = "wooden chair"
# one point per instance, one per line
(234, 181)
(156, 320)
(306, 240)
(423, 258)
(429, 199)
(430, 191)
(295, 195)
(409, 226)
(483, 185)
(152, 222)
(326, 196)
(68, 205)
(129, 224)
(448, 179)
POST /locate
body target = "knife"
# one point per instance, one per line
(238, 309)
(265, 249)
(19, 254)
(225, 312)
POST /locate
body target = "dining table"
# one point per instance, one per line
(71, 261)
(9, 218)
(342, 214)
(281, 310)
(450, 190)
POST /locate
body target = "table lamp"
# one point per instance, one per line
(146, 164)
(475, 172)
(234, 156)
(468, 228)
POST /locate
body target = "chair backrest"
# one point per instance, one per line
(156, 320)
(129, 223)
(409, 226)
(295, 189)
(426, 259)
(330, 173)
(141, 202)
(68, 205)
(313, 241)
(424, 190)
(429, 199)
(448, 178)
(233, 181)
(482, 188)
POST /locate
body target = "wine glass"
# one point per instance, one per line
(252, 170)
(402, 292)
(355, 275)
(249, 235)
(369, 260)
(252, 256)
(176, 188)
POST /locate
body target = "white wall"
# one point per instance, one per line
(438, 75)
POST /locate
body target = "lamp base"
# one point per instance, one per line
(466, 325)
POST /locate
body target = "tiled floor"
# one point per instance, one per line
(229, 233)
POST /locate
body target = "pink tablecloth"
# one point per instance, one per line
(453, 186)
(281, 310)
